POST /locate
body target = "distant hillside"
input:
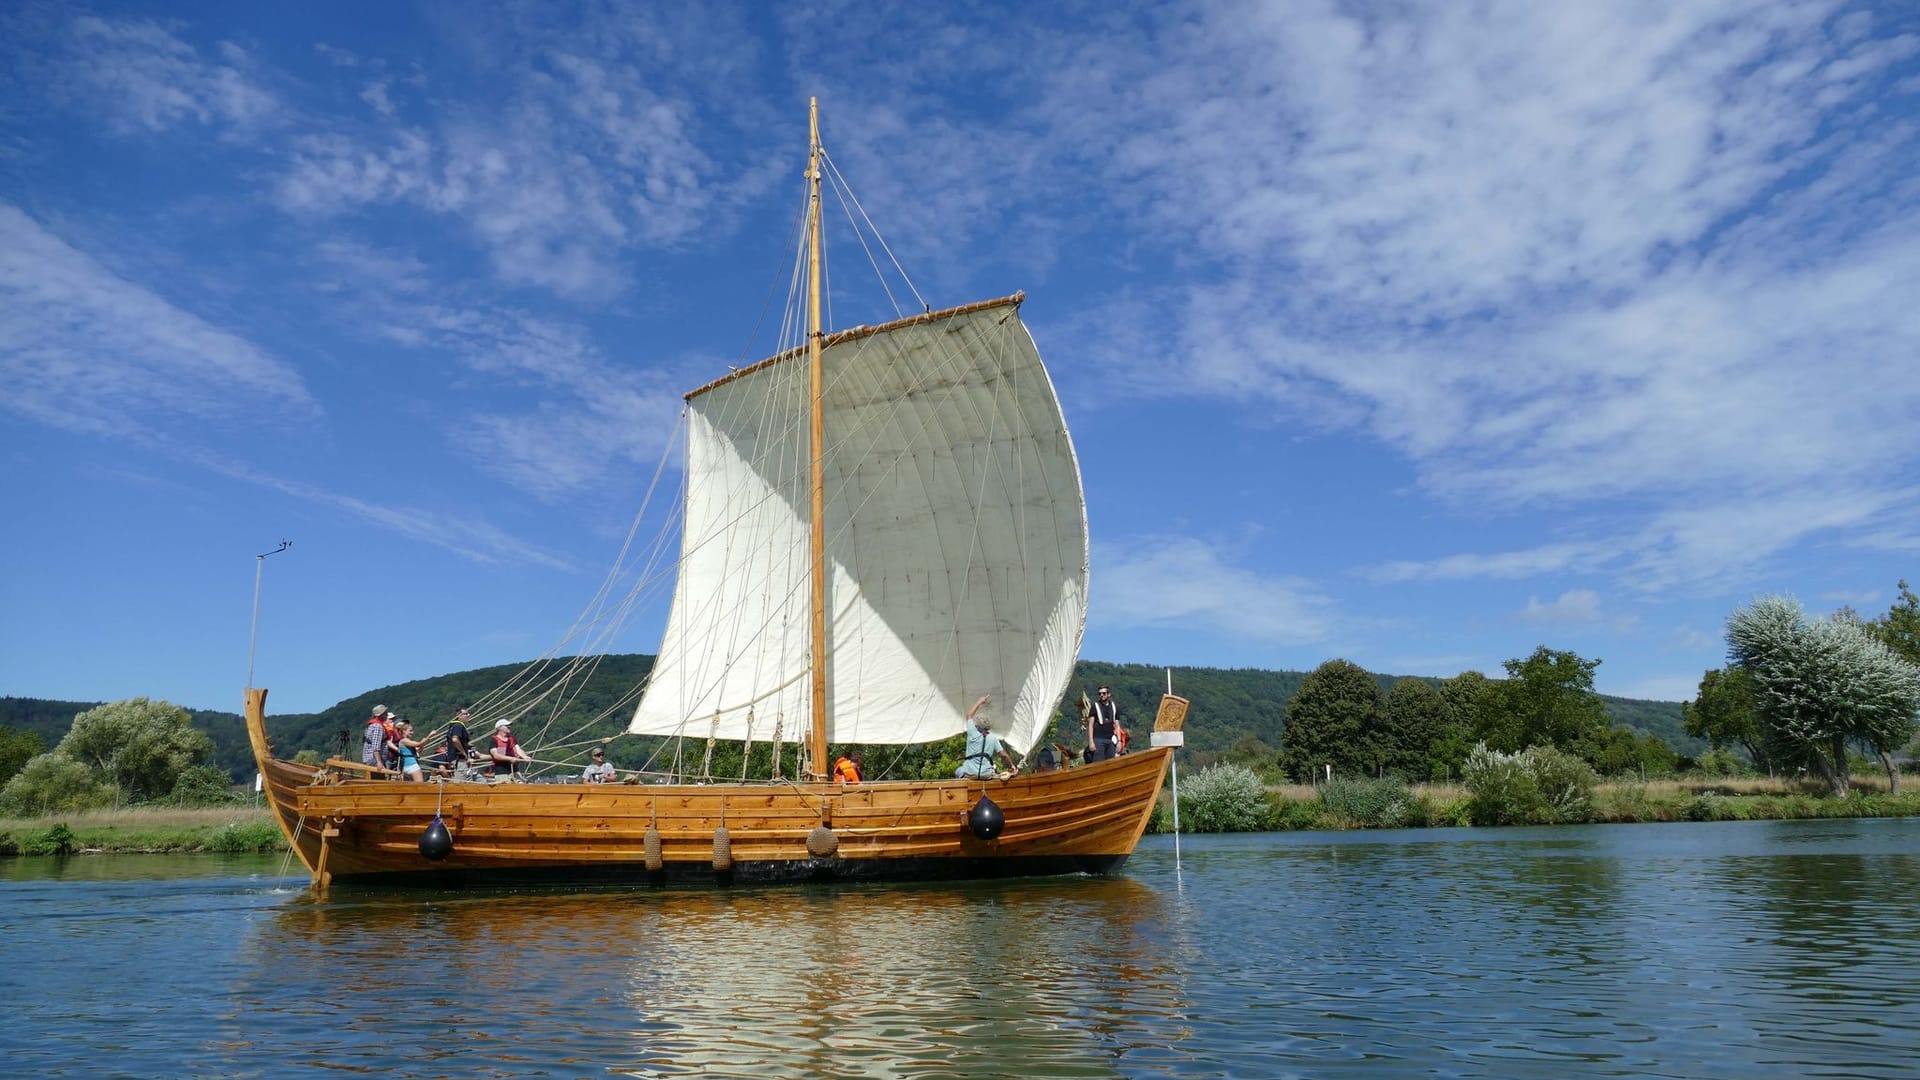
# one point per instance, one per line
(1229, 704)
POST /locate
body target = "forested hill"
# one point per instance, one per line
(1229, 704)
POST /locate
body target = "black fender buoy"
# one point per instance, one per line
(436, 843)
(985, 819)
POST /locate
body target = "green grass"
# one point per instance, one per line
(144, 830)
(1302, 807)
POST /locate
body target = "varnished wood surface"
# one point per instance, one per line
(1097, 811)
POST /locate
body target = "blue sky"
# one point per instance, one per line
(1417, 334)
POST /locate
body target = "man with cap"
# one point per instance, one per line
(982, 747)
(599, 772)
(506, 752)
(373, 742)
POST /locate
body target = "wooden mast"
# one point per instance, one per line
(817, 452)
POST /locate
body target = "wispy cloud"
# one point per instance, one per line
(84, 349)
(1654, 256)
(1530, 562)
(1575, 606)
(472, 537)
(1185, 582)
(140, 76)
(579, 414)
(585, 159)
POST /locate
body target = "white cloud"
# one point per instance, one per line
(84, 349)
(1649, 254)
(470, 536)
(584, 159)
(141, 77)
(1530, 562)
(1184, 582)
(1575, 606)
(1694, 639)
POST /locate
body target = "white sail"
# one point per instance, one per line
(956, 542)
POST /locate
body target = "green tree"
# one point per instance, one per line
(1819, 685)
(16, 749)
(1462, 695)
(54, 783)
(1899, 628)
(1546, 699)
(1722, 714)
(138, 745)
(1328, 721)
(1415, 728)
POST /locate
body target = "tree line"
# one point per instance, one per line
(1341, 724)
(1802, 694)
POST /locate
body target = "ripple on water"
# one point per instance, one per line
(1736, 950)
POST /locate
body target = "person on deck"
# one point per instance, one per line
(409, 748)
(599, 772)
(454, 754)
(390, 752)
(983, 747)
(506, 752)
(846, 768)
(1103, 727)
(373, 741)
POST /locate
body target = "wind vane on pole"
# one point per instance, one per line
(253, 634)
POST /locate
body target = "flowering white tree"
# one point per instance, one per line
(1819, 684)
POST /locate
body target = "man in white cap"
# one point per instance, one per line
(506, 752)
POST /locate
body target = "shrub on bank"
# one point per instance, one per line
(1370, 804)
(1223, 798)
(1537, 786)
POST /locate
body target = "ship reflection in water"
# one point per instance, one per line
(1757, 950)
(1035, 977)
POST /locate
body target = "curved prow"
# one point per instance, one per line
(275, 779)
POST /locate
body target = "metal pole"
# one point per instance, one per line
(1174, 764)
(253, 633)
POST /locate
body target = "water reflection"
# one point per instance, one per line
(1711, 950)
(956, 980)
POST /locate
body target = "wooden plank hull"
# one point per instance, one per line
(1080, 820)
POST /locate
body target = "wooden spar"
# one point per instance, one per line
(817, 441)
(855, 333)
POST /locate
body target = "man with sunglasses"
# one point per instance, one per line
(1103, 727)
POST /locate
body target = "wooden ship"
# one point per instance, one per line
(878, 524)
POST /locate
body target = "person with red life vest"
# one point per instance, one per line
(846, 768)
(506, 751)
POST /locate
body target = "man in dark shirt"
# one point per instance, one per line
(457, 748)
(1103, 727)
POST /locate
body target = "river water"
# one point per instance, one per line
(1740, 950)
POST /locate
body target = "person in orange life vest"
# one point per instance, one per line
(506, 752)
(846, 768)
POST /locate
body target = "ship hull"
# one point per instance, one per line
(350, 830)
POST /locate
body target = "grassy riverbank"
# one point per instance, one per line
(143, 830)
(236, 829)
(1301, 806)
